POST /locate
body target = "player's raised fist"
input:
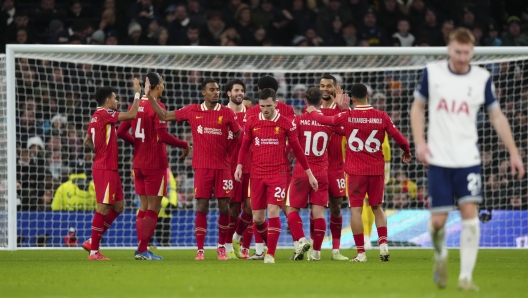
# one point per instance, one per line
(137, 86)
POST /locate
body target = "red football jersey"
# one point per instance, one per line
(315, 139)
(365, 129)
(268, 138)
(149, 151)
(283, 109)
(335, 144)
(210, 131)
(237, 143)
(103, 133)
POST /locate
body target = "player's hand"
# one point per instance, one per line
(338, 99)
(313, 183)
(238, 173)
(310, 109)
(422, 151)
(186, 152)
(137, 87)
(147, 87)
(516, 166)
(406, 156)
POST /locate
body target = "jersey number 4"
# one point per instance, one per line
(312, 144)
(140, 132)
(371, 144)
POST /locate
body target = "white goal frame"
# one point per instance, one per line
(12, 50)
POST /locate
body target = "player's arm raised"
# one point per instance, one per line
(131, 114)
(162, 114)
(502, 127)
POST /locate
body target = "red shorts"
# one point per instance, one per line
(240, 189)
(151, 182)
(207, 180)
(108, 186)
(267, 191)
(336, 183)
(300, 189)
(360, 185)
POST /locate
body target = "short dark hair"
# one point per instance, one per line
(359, 91)
(102, 94)
(154, 79)
(207, 81)
(268, 82)
(233, 82)
(313, 95)
(329, 77)
(267, 93)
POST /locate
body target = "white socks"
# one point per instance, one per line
(229, 247)
(469, 244)
(259, 248)
(236, 237)
(295, 245)
(438, 239)
(334, 251)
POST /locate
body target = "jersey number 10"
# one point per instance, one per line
(371, 144)
(313, 144)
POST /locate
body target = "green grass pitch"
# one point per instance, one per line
(499, 273)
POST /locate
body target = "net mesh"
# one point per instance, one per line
(3, 154)
(55, 102)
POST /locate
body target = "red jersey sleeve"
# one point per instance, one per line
(183, 114)
(293, 138)
(246, 142)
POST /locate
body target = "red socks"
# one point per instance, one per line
(139, 224)
(274, 231)
(200, 228)
(360, 243)
(244, 220)
(382, 235)
(319, 233)
(109, 219)
(296, 225)
(262, 231)
(248, 237)
(149, 226)
(97, 229)
(223, 226)
(230, 229)
(335, 228)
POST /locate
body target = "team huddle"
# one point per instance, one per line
(242, 158)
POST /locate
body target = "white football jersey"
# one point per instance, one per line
(454, 101)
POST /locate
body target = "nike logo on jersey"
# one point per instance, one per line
(198, 117)
(256, 128)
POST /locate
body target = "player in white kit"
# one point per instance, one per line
(454, 90)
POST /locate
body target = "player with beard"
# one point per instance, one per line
(238, 222)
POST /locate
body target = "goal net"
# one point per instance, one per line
(54, 93)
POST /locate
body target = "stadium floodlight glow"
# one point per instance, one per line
(61, 79)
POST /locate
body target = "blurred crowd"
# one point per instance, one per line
(54, 99)
(262, 22)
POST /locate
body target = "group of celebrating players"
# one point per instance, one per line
(242, 156)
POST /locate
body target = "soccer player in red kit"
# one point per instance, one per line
(314, 138)
(150, 163)
(365, 129)
(285, 111)
(268, 132)
(211, 125)
(336, 174)
(102, 139)
(235, 90)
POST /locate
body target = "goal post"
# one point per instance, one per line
(60, 81)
